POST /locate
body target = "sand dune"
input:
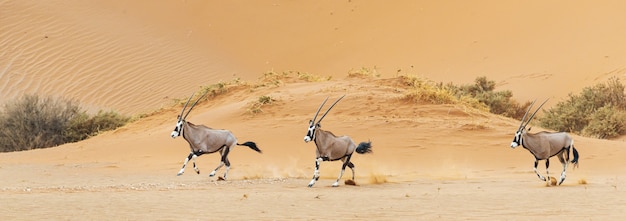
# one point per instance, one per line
(430, 162)
(106, 53)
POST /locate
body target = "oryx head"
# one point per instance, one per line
(517, 140)
(310, 134)
(181, 119)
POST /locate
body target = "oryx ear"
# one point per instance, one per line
(319, 125)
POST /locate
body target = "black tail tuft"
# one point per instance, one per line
(252, 145)
(575, 160)
(364, 147)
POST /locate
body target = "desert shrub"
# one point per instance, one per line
(255, 107)
(311, 77)
(606, 122)
(82, 126)
(598, 111)
(421, 90)
(498, 102)
(218, 88)
(363, 72)
(32, 122)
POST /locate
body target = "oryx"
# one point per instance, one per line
(331, 147)
(544, 145)
(204, 140)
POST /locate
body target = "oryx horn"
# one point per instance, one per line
(532, 115)
(193, 105)
(331, 107)
(183, 111)
(525, 114)
(318, 110)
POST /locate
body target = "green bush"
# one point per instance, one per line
(32, 122)
(499, 102)
(598, 111)
(606, 122)
(82, 126)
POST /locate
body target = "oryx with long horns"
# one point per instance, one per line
(204, 140)
(544, 145)
(331, 147)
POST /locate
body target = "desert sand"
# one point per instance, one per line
(430, 162)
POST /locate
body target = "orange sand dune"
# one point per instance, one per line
(430, 162)
(136, 56)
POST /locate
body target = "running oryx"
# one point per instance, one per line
(331, 147)
(203, 140)
(544, 145)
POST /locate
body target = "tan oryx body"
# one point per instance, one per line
(331, 147)
(204, 140)
(544, 145)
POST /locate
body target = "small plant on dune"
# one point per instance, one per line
(311, 77)
(272, 78)
(255, 107)
(598, 111)
(364, 72)
(32, 122)
(276, 79)
(219, 88)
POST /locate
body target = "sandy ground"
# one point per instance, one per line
(430, 162)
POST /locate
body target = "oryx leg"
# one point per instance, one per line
(346, 161)
(221, 163)
(548, 179)
(537, 172)
(226, 161)
(351, 166)
(564, 162)
(192, 156)
(316, 174)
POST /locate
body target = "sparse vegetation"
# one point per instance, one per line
(480, 95)
(598, 111)
(499, 102)
(32, 122)
(364, 72)
(219, 88)
(255, 107)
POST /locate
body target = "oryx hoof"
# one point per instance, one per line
(178, 174)
(212, 174)
(336, 184)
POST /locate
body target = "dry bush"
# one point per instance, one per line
(499, 102)
(255, 107)
(32, 122)
(364, 72)
(421, 90)
(598, 111)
